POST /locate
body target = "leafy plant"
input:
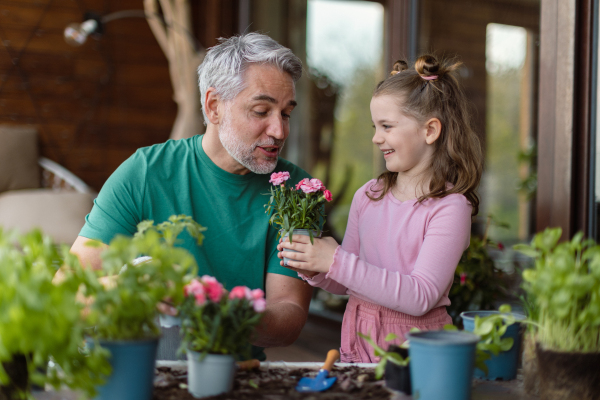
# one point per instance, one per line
(478, 284)
(386, 356)
(297, 208)
(490, 329)
(127, 309)
(217, 322)
(40, 320)
(564, 288)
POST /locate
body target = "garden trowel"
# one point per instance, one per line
(321, 381)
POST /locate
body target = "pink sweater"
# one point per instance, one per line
(401, 255)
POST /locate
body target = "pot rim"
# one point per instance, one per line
(520, 317)
(124, 342)
(443, 338)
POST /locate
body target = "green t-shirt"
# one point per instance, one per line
(177, 177)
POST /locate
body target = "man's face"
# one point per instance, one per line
(256, 123)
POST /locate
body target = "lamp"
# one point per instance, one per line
(76, 34)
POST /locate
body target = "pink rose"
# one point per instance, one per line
(463, 278)
(259, 305)
(327, 195)
(213, 288)
(240, 292)
(310, 186)
(258, 294)
(277, 178)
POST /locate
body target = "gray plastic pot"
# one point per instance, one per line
(303, 232)
(211, 375)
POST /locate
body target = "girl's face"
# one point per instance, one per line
(403, 141)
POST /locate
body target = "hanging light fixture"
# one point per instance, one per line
(76, 34)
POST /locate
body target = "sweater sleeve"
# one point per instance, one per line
(350, 244)
(446, 237)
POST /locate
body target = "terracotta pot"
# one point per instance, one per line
(568, 376)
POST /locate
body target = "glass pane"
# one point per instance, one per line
(344, 51)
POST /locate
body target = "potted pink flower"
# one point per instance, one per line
(297, 210)
(215, 328)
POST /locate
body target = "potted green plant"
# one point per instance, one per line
(299, 209)
(41, 320)
(564, 286)
(216, 326)
(478, 284)
(395, 363)
(124, 314)
(500, 341)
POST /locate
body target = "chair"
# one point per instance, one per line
(37, 192)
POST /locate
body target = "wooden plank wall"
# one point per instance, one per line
(458, 29)
(96, 104)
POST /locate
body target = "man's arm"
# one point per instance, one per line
(88, 256)
(286, 312)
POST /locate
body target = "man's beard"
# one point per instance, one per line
(243, 153)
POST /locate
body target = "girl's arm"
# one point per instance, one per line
(350, 244)
(446, 238)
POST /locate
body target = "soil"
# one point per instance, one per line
(566, 376)
(277, 384)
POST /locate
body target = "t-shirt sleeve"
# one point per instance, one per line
(118, 207)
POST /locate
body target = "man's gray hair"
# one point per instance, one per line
(224, 64)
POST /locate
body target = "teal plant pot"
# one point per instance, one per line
(504, 365)
(303, 232)
(132, 376)
(441, 364)
(211, 375)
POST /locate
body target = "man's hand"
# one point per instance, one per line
(286, 312)
(312, 258)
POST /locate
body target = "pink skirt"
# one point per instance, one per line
(377, 322)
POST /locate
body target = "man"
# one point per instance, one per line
(247, 94)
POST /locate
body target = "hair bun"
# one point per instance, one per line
(399, 66)
(427, 65)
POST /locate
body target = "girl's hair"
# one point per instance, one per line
(431, 90)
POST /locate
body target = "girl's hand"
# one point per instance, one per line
(313, 258)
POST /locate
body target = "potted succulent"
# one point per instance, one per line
(41, 320)
(299, 209)
(500, 341)
(564, 287)
(215, 329)
(124, 314)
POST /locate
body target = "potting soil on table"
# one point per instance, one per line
(277, 383)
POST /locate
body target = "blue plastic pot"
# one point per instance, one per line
(441, 364)
(504, 365)
(132, 376)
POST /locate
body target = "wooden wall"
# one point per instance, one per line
(458, 28)
(96, 104)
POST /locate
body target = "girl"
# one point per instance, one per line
(407, 229)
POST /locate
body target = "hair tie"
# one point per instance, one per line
(429, 78)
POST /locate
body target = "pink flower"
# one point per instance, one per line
(257, 294)
(277, 178)
(213, 288)
(240, 292)
(310, 186)
(200, 299)
(259, 305)
(194, 287)
(327, 195)
(463, 278)
(500, 246)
